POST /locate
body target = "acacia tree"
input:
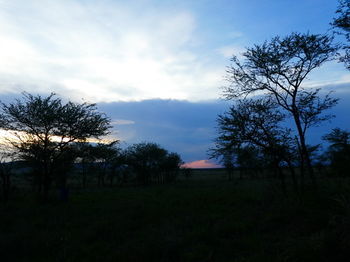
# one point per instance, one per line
(149, 160)
(256, 124)
(342, 22)
(277, 69)
(169, 168)
(86, 158)
(228, 161)
(107, 159)
(249, 159)
(45, 129)
(339, 150)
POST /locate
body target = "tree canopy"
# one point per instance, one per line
(45, 129)
(150, 161)
(339, 151)
(277, 69)
(342, 22)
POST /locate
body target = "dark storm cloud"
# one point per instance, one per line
(180, 126)
(189, 128)
(342, 118)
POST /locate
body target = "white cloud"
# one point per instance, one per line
(102, 51)
(122, 122)
(230, 50)
(111, 50)
(235, 34)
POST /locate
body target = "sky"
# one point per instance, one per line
(157, 68)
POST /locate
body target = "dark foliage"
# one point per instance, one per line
(341, 24)
(276, 69)
(151, 163)
(7, 167)
(108, 158)
(251, 131)
(338, 152)
(45, 130)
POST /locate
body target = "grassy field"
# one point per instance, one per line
(202, 218)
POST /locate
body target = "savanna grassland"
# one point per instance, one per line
(204, 217)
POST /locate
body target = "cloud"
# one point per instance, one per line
(230, 50)
(338, 88)
(189, 128)
(103, 51)
(122, 122)
(184, 127)
(112, 50)
(235, 34)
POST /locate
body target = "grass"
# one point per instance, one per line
(203, 218)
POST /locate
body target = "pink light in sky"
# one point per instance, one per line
(201, 164)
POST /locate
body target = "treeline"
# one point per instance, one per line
(253, 162)
(51, 141)
(140, 164)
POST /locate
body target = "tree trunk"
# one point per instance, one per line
(83, 174)
(64, 192)
(304, 154)
(6, 186)
(111, 178)
(282, 178)
(46, 179)
(229, 172)
(293, 175)
(46, 187)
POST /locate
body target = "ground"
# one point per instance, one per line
(201, 218)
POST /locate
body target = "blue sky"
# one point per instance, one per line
(165, 58)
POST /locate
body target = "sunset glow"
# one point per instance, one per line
(201, 164)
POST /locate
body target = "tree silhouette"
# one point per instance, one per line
(339, 151)
(86, 159)
(228, 160)
(46, 128)
(342, 22)
(107, 158)
(277, 70)
(151, 162)
(169, 168)
(7, 158)
(252, 128)
(249, 160)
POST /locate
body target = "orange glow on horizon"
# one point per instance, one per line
(201, 164)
